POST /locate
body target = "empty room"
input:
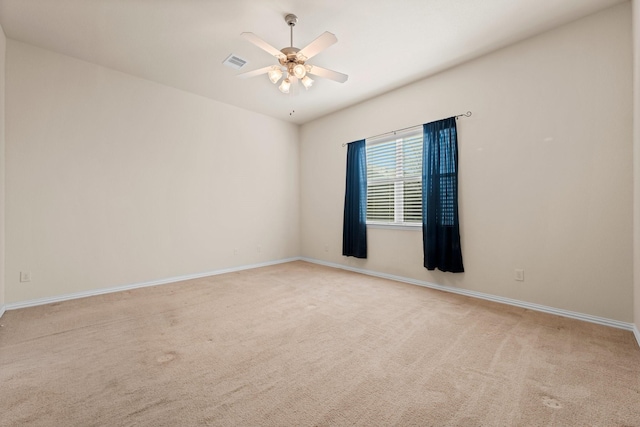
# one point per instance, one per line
(294, 213)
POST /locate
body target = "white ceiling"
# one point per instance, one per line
(382, 44)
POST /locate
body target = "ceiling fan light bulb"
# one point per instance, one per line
(299, 71)
(307, 82)
(284, 86)
(274, 75)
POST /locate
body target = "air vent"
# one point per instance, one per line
(235, 62)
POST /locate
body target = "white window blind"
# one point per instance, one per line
(394, 178)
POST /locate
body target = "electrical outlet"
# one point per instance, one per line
(235, 251)
(519, 275)
(25, 276)
(326, 248)
(258, 249)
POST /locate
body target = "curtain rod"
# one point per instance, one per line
(467, 114)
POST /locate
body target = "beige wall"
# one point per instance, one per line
(3, 47)
(545, 170)
(114, 180)
(636, 165)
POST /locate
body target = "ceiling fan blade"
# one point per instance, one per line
(254, 73)
(327, 74)
(318, 45)
(262, 44)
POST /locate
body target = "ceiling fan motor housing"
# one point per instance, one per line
(291, 60)
(291, 56)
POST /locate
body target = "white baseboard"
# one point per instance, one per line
(523, 304)
(84, 294)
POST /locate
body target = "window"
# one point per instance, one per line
(394, 178)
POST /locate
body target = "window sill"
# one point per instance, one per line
(410, 227)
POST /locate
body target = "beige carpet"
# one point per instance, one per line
(303, 345)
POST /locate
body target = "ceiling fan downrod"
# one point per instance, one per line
(291, 21)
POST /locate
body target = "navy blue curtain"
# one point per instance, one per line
(440, 226)
(354, 233)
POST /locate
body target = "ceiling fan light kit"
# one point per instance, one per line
(306, 82)
(292, 60)
(284, 86)
(299, 71)
(274, 74)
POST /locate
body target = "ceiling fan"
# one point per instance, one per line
(293, 61)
